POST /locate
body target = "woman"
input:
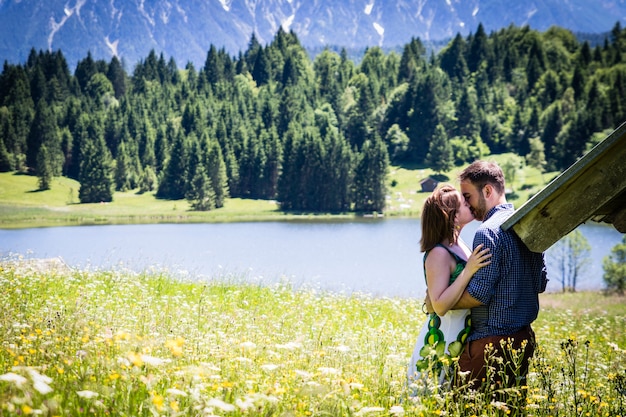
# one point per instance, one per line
(448, 266)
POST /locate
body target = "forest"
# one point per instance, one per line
(316, 134)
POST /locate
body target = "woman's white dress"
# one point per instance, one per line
(440, 339)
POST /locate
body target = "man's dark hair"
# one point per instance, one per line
(481, 173)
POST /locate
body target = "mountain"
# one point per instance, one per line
(185, 29)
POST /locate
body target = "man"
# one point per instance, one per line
(503, 296)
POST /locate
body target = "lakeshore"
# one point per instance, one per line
(23, 206)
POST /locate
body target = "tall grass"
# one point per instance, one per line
(111, 343)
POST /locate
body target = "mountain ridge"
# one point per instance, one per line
(185, 30)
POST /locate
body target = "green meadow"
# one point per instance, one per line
(22, 205)
(104, 343)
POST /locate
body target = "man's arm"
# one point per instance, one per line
(466, 301)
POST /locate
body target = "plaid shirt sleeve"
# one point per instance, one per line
(482, 284)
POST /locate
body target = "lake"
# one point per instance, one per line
(380, 257)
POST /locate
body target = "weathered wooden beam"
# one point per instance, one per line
(575, 196)
(619, 221)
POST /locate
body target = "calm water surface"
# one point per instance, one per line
(380, 257)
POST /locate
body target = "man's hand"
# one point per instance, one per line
(427, 307)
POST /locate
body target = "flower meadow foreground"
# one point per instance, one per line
(111, 343)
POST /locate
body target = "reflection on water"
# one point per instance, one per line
(374, 256)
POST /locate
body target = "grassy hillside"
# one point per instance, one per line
(22, 205)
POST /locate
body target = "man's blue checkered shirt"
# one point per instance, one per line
(510, 285)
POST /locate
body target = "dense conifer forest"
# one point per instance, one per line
(315, 134)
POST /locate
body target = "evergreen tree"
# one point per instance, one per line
(370, 177)
(44, 168)
(96, 179)
(478, 51)
(85, 69)
(440, 156)
(216, 171)
(6, 163)
(536, 158)
(468, 120)
(412, 60)
(452, 59)
(174, 179)
(44, 131)
(148, 180)
(118, 78)
(123, 169)
(426, 95)
(201, 195)
(397, 143)
(261, 70)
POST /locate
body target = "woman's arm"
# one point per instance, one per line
(444, 296)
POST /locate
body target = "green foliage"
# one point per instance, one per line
(96, 179)
(295, 129)
(614, 266)
(440, 156)
(44, 168)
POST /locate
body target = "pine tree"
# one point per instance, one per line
(96, 179)
(44, 168)
(216, 170)
(123, 169)
(44, 131)
(148, 180)
(440, 157)
(200, 193)
(173, 183)
(370, 188)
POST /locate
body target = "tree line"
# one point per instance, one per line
(315, 134)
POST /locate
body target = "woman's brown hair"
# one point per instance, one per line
(438, 217)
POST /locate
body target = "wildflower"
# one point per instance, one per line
(367, 410)
(248, 345)
(18, 380)
(158, 400)
(289, 346)
(303, 374)
(153, 361)
(40, 382)
(396, 410)
(224, 406)
(244, 404)
(343, 348)
(269, 367)
(175, 346)
(87, 394)
(176, 392)
(327, 371)
(500, 405)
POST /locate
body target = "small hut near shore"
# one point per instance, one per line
(428, 184)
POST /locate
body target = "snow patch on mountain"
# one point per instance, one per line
(144, 13)
(379, 29)
(67, 13)
(112, 46)
(226, 4)
(288, 22)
